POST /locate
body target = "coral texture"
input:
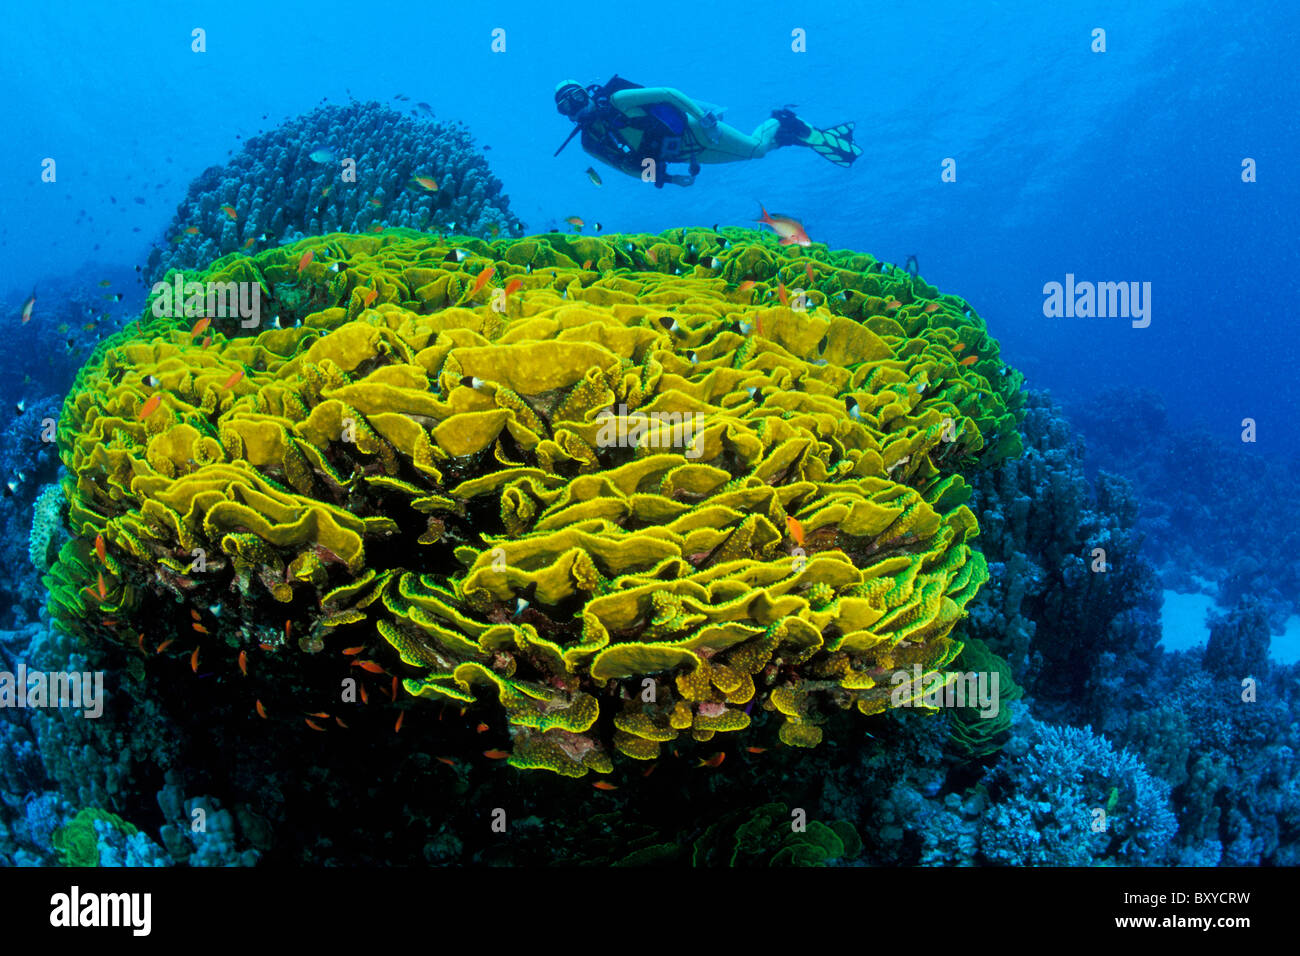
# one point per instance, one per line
(1073, 603)
(625, 493)
(29, 464)
(293, 182)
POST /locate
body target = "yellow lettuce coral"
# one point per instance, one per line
(619, 488)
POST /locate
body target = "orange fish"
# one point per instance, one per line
(261, 711)
(243, 662)
(194, 661)
(207, 340)
(313, 725)
(790, 230)
(649, 770)
(376, 228)
(893, 304)
(369, 296)
(248, 243)
(808, 270)
(200, 326)
(365, 698)
(575, 222)
(652, 256)
(306, 258)
(103, 592)
(101, 550)
(109, 622)
(234, 377)
(746, 285)
(288, 627)
(266, 647)
(426, 182)
(27, 308)
(393, 692)
(482, 280)
(969, 360)
(150, 406)
(397, 727)
(354, 651)
(796, 530)
(229, 210)
(370, 666)
(513, 286)
(959, 347)
(377, 203)
(165, 644)
(321, 714)
(339, 721)
(481, 729)
(604, 785)
(192, 230)
(194, 615)
(199, 627)
(140, 640)
(496, 754)
(447, 760)
(780, 293)
(714, 761)
(931, 307)
(587, 264)
(326, 191)
(756, 750)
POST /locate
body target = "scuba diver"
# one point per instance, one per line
(623, 124)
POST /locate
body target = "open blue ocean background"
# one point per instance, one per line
(1122, 166)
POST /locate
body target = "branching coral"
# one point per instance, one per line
(625, 494)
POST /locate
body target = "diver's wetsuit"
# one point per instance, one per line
(660, 133)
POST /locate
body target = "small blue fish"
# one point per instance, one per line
(321, 156)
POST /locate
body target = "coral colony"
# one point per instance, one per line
(302, 179)
(417, 473)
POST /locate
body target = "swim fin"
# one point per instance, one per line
(835, 143)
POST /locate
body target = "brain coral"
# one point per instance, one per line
(473, 463)
(278, 191)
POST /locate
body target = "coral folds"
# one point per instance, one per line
(609, 492)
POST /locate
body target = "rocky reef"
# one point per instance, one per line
(1192, 478)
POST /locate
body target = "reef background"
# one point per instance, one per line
(1144, 452)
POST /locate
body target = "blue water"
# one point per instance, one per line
(1115, 166)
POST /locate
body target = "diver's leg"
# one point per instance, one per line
(732, 145)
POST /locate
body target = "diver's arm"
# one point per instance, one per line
(625, 99)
